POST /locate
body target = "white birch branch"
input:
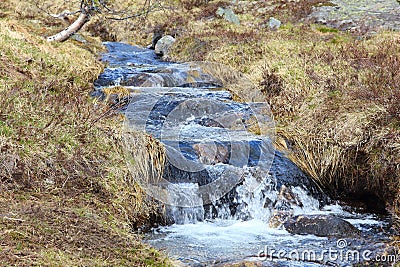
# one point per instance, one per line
(71, 30)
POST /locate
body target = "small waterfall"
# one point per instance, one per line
(255, 204)
(243, 202)
(186, 199)
(226, 190)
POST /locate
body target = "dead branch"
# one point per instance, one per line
(72, 29)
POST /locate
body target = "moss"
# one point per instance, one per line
(326, 29)
(5, 130)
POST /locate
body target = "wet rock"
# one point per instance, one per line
(320, 225)
(143, 80)
(287, 195)
(197, 84)
(211, 154)
(99, 94)
(267, 203)
(278, 218)
(290, 175)
(207, 122)
(283, 207)
(163, 45)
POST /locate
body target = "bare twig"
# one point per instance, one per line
(72, 29)
(6, 217)
(88, 8)
(65, 13)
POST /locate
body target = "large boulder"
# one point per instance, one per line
(320, 225)
(163, 45)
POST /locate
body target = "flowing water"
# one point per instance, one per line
(227, 191)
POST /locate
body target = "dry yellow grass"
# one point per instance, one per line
(67, 196)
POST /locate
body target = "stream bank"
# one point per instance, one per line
(62, 199)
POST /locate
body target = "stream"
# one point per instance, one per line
(229, 195)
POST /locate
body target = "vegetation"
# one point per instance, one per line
(66, 196)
